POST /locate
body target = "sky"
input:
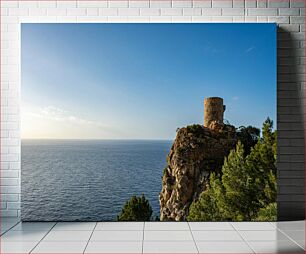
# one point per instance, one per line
(142, 81)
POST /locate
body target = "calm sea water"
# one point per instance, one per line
(88, 180)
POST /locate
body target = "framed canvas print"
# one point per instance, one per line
(148, 122)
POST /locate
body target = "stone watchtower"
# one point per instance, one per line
(213, 110)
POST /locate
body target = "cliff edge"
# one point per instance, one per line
(196, 151)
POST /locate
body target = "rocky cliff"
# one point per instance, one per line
(196, 151)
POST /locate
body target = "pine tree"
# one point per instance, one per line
(247, 188)
(136, 209)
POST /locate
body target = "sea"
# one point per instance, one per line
(89, 180)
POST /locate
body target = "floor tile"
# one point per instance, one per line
(22, 236)
(101, 236)
(17, 247)
(291, 225)
(297, 236)
(223, 247)
(166, 226)
(68, 236)
(167, 236)
(68, 226)
(114, 247)
(276, 247)
(273, 235)
(60, 247)
(33, 226)
(120, 226)
(210, 226)
(169, 247)
(253, 226)
(216, 236)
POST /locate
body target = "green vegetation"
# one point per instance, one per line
(248, 136)
(196, 129)
(246, 188)
(136, 209)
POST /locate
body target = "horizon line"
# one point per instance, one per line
(101, 139)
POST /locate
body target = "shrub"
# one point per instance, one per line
(136, 209)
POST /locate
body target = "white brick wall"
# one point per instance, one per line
(291, 68)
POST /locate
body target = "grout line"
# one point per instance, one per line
(42, 238)
(247, 243)
(16, 223)
(143, 232)
(90, 237)
(290, 238)
(193, 237)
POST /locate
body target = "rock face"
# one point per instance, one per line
(196, 151)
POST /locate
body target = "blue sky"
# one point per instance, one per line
(142, 81)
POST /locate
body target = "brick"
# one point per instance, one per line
(57, 12)
(279, 20)
(260, 19)
(181, 19)
(76, 12)
(289, 11)
(289, 28)
(192, 11)
(278, 3)
(211, 11)
(262, 12)
(238, 3)
(172, 11)
(291, 173)
(9, 181)
(118, 4)
(128, 11)
(262, 3)
(181, 3)
(138, 19)
(10, 189)
(38, 11)
(18, 11)
(202, 3)
(238, 19)
(291, 198)
(92, 19)
(202, 19)
(297, 3)
(3, 205)
(222, 3)
(9, 213)
(92, 11)
(108, 11)
(66, 4)
(160, 4)
(139, 4)
(222, 19)
(150, 12)
(233, 12)
(297, 20)
(290, 189)
(9, 173)
(13, 205)
(4, 11)
(250, 3)
(160, 19)
(47, 4)
(9, 4)
(92, 4)
(9, 197)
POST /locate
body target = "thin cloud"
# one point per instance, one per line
(60, 115)
(235, 98)
(249, 49)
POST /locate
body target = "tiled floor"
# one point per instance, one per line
(152, 237)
